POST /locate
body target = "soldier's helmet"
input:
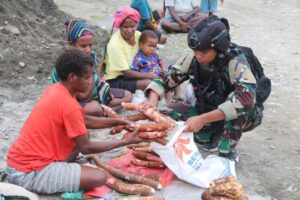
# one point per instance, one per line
(212, 32)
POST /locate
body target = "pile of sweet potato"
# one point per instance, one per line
(226, 188)
(127, 182)
(156, 130)
(145, 156)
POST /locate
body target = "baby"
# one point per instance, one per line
(147, 59)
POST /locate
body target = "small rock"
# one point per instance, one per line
(22, 64)
(12, 29)
(271, 147)
(6, 137)
(6, 22)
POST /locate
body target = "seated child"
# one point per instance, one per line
(54, 130)
(147, 59)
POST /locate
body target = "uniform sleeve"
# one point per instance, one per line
(74, 123)
(170, 3)
(117, 58)
(242, 99)
(175, 75)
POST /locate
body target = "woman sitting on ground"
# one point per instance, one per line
(81, 37)
(121, 49)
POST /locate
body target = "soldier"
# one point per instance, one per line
(224, 87)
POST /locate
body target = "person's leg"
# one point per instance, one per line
(213, 5)
(204, 6)
(93, 108)
(123, 83)
(91, 178)
(119, 96)
(170, 26)
(233, 131)
(196, 19)
(162, 38)
(142, 84)
(58, 177)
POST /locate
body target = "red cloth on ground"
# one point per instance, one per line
(48, 133)
(124, 163)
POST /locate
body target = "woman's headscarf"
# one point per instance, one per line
(76, 29)
(125, 12)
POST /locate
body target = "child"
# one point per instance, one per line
(209, 6)
(81, 37)
(55, 127)
(147, 59)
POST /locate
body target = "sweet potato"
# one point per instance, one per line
(154, 126)
(140, 145)
(152, 135)
(161, 141)
(117, 129)
(136, 117)
(127, 176)
(146, 156)
(110, 112)
(144, 149)
(131, 106)
(149, 164)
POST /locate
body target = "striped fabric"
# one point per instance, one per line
(76, 29)
(57, 177)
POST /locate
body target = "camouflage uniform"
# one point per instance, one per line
(238, 102)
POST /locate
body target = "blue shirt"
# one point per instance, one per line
(144, 9)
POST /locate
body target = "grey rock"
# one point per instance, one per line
(12, 29)
(22, 64)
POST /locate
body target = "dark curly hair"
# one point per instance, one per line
(147, 34)
(72, 61)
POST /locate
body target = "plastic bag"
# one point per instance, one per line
(138, 97)
(183, 158)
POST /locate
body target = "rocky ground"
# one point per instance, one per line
(32, 34)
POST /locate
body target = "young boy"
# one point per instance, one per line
(55, 127)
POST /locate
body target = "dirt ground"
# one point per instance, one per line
(269, 166)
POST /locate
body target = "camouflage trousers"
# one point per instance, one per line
(230, 132)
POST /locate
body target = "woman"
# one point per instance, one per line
(121, 50)
(81, 37)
